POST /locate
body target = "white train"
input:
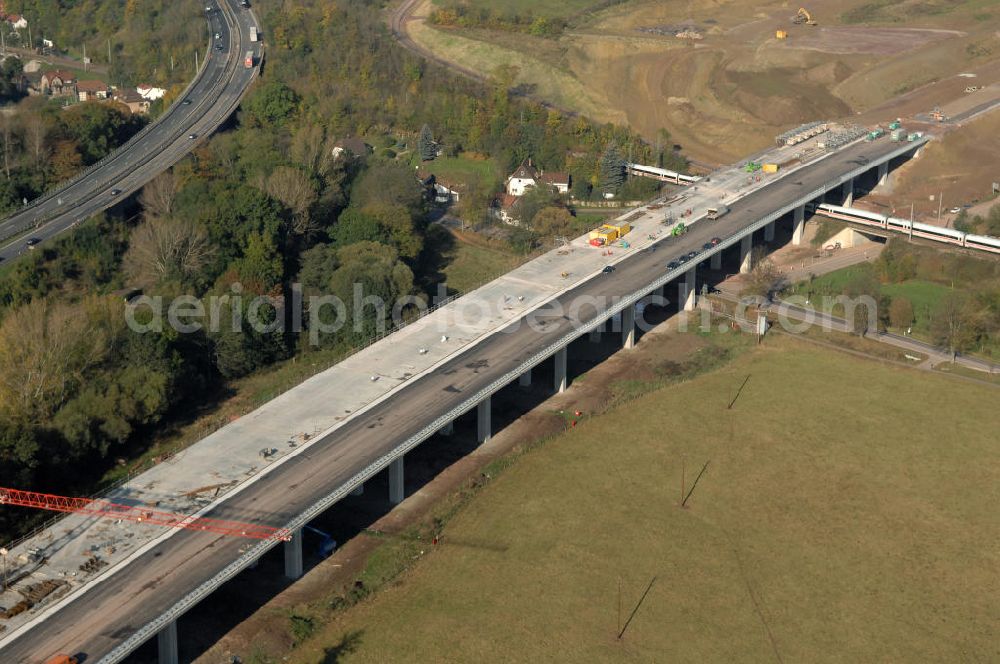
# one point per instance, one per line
(927, 231)
(662, 174)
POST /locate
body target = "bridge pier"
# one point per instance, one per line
(447, 429)
(560, 374)
(883, 174)
(628, 327)
(293, 555)
(715, 262)
(359, 490)
(166, 644)
(483, 419)
(689, 296)
(848, 191)
(746, 254)
(798, 224)
(397, 482)
(595, 335)
(524, 380)
(769, 232)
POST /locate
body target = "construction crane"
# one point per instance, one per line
(804, 17)
(140, 514)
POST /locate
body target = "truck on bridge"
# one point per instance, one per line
(248, 60)
(716, 212)
(253, 34)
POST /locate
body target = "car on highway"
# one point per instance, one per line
(707, 246)
(608, 269)
(218, 47)
(32, 242)
(682, 259)
(192, 136)
(692, 254)
(115, 192)
(715, 240)
(218, 35)
(673, 265)
(186, 102)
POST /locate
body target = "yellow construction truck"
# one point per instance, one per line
(608, 233)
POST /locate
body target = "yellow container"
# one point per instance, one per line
(770, 168)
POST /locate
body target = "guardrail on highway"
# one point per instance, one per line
(151, 628)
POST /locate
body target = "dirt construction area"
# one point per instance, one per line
(731, 85)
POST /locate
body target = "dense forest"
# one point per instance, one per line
(152, 41)
(259, 207)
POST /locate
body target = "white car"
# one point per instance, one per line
(955, 210)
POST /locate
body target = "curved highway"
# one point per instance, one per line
(112, 610)
(206, 104)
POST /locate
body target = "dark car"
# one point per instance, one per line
(32, 242)
(692, 254)
(218, 47)
(608, 269)
(707, 246)
(682, 259)
(715, 241)
(673, 265)
(115, 192)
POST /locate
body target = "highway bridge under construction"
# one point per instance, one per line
(287, 462)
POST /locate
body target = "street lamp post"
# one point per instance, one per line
(3, 556)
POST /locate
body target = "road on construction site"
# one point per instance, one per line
(112, 609)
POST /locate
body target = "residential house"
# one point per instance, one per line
(58, 83)
(522, 179)
(558, 181)
(438, 190)
(130, 97)
(149, 92)
(16, 21)
(351, 147)
(91, 90)
(506, 208)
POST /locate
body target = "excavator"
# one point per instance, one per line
(804, 17)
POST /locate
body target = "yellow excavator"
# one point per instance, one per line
(804, 17)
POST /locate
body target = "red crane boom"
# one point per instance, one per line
(107, 509)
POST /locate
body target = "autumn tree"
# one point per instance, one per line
(165, 249)
(425, 144)
(901, 313)
(297, 191)
(157, 197)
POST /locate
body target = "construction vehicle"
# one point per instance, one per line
(875, 134)
(914, 136)
(895, 124)
(714, 213)
(678, 230)
(752, 167)
(780, 34)
(769, 168)
(804, 17)
(898, 135)
(62, 659)
(937, 115)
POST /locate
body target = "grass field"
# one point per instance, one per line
(545, 8)
(475, 264)
(838, 520)
(464, 169)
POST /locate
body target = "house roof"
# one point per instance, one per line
(129, 96)
(66, 76)
(354, 144)
(92, 86)
(508, 201)
(525, 171)
(555, 178)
